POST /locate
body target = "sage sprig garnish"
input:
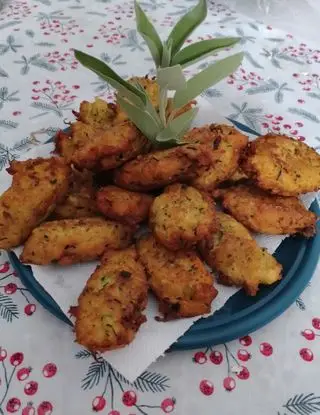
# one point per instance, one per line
(161, 128)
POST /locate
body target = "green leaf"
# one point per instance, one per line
(177, 127)
(166, 54)
(141, 118)
(206, 78)
(171, 78)
(187, 24)
(149, 107)
(106, 73)
(149, 34)
(200, 50)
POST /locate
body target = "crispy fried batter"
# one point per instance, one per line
(182, 216)
(110, 307)
(179, 279)
(163, 167)
(119, 140)
(123, 205)
(237, 257)
(283, 165)
(99, 139)
(99, 113)
(74, 240)
(226, 144)
(80, 201)
(38, 185)
(265, 213)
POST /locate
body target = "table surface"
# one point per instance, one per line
(41, 370)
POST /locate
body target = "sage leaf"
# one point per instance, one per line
(149, 34)
(199, 50)
(106, 73)
(187, 24)
(149, 106)
(166, 54)
(206, 78)
(141, 118)
(177, 127)
(171, 78)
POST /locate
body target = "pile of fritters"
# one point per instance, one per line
(89, 201)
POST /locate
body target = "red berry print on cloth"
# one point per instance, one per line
(62, 60)
(308, 334)
(206, 387)
(306, 354)
(245, 341)
(31, 388)
(111, 33)
(13, 405)
(49, 370)
(4, 268)
(10, 288)
(45, 408)
(98, 404)
(129, 398)
(16, 359)
(216, 357)
(244, 373)
(167, 405)
(112, 385)
(59, 25)
(16, 10)
(243, 355)
(200, 358)
(52, 97)
(29, 409)
(30, 309)
(229, 383)
(316, 323)
(266, 349)
(23, 373)
(3, 354)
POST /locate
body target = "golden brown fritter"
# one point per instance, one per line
(182, 216)
(99, 113)
(163, 167)
(226, 144)
(179, 279)
(110, 308)
(123, 205)
(80, 201)
(266, 213)
(282, 165)
(38, 185)
(118, 140)
(74, 240)
(237, 257)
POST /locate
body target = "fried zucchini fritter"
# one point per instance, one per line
(74, 240)
(237, 257)
(163, 167)
(179, 279)
(123, 205)
(266, 213)
(282, 165)
(99, 113)
(226, 144)
(80, 201)
(38, 185)
(182, 216)
(110, 308)
(116, 141)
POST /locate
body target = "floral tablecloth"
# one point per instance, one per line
(42, 371)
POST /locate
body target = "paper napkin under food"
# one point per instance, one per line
(65, 283)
